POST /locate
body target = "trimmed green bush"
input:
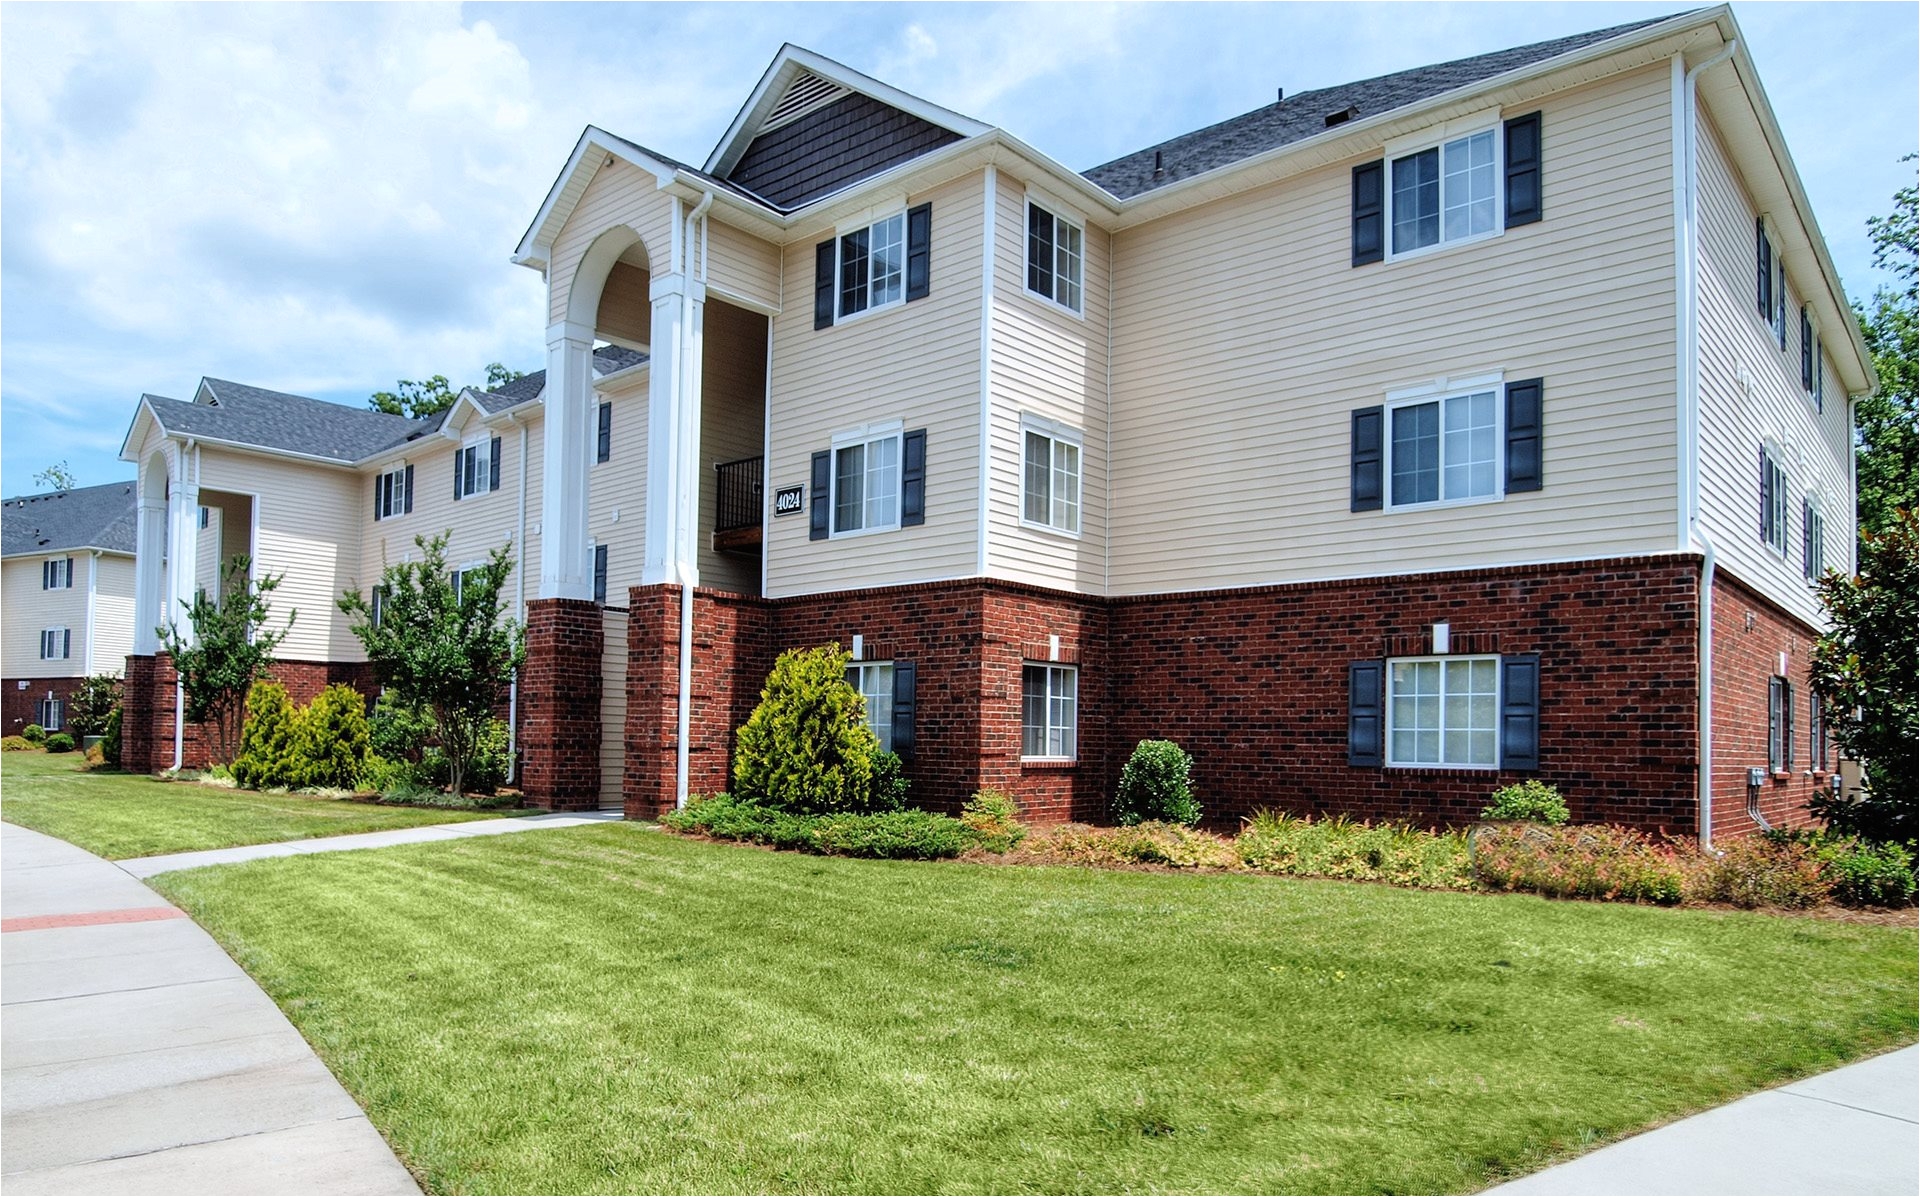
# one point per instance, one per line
(1155, 786)
(59, 742)
(1533, 801)
(15, 744)
(34, 734)
(331, 738)
(889, 835)
(890, 782)
(994, 818)
(807, 748)
(269, 751)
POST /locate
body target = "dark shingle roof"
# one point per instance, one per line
(275, 420)
(89, 517)
(606, 360)
(1299, 117)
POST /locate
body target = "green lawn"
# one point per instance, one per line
(122, 815)
(611, 1009)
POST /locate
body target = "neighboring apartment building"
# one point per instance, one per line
(1381, 445)
(66, 598)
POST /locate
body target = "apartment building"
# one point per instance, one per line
(66, 598)
(1381, 445)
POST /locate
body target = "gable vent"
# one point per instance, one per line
(804, 94)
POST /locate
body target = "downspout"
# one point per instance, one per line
(689, 509)
(519, 609)
(1685, 274)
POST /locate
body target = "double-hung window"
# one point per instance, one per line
(476, 468)
(866, 481)
(1445, 193)
(56, 644)
(1055, 257)
(873, 266)
(1445, 449)
(1813, 539)
(1050, 480)
(56, 573)
(379, 604)
(1444, 711)
(1779, 725)
(51, 714)
(393, 493)
(1774, 501)
(874, 681)
(1049, 712)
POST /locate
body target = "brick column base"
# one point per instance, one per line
(138, 698)
(560, 705)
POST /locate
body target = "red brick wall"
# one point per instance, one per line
(20, 707)
(1749, 636)
(1020, 626)
(148, 703)
(560, 704)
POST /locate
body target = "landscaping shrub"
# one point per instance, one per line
(807, 748)
(34, 734)
(330, 740)
(93, 701)
(890, 782)
(381, 775)
(994, 818)
(15, 744)
(1760, 871)
(1862, 873)
(1169, 844)
(1533, 801)
(396, 730)
(269, 756)
(1275, 842)
(59, 742)
(489, 769)
(110, 738)
(1614, 863)
(890, 835)
(1155, 786)
(95, 758)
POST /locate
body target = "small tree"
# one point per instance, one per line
(807, 746)
(450, 652)
(1156, 785)
(269, 748)
(92, 704)
(1866, 670)
(230, 649)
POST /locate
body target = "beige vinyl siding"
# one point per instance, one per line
(110, 635)
(918, 363)
(29, 610)
(733, 405)
(1750, 394)
(307, 528)
(1051, 363)
(619, 194)
(613, 707)
(742, 264)
(617, 490)
(208, 556)
(1244, 338)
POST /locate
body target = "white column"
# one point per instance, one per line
(566, 555)
(150, 545)
(666, 388)
(691, 477)
(183, 541)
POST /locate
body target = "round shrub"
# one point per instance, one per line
(1532, 801)
(33, 733)
(807, 746)
(15, 744)
(1155, 786)
(59, 742)
(1867, 874)
(331, 742)
(269, 754)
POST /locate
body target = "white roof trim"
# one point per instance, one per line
(789, 64)
(590, 153)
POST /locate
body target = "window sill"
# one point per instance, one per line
(863, 313)
(1443, 247)
(1036, 762)
(1053, 305)
(1048, 529)
(1442, 504)
(856, 533)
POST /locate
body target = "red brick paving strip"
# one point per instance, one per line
(92, 918)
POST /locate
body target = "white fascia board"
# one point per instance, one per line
(620, 377)
(571, 183)
(72, 548)
(143, 414)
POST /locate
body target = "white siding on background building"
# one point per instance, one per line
(110, 635)
(29, 610)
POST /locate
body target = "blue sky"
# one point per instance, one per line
(322, 198)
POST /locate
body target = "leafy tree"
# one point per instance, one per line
(1885, 429)
(231, 648)
(269, 753)
(451, 653)
(92, 703)
(418, 398)
(1866, 670)
(807, 746)
(56, 477)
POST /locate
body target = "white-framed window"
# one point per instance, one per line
(866, 480)
(1813, 538)
(1049, 712)
(458, 578)
(379, 604)
(56, 644)
(871, 267)
(1444, 711)
(1444, 446)
(1445, 193)
(56, 573)
(1050, 475)
(204, 517)
(1056, 255)
(51, 714)
(1774, 500)
(474, 466)
(874, 680)
(390, 492)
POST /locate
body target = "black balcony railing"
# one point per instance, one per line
(742, 495)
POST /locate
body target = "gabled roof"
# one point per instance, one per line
(88, 517)
(1301, 116)
(238, 414)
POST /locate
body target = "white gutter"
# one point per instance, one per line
(988, 229)
(1687, 410)
(689, 508)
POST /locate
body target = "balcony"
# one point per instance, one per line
(740, 500)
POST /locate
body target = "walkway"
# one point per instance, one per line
(1853, 1130)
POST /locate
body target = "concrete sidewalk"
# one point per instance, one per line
(138, 1058)
(1853, 1130)
(148, 866)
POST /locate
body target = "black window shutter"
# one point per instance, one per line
(822, 488)
(459, 463)
(379, 488)
(823, 284)
(919, 252)
(66, 643)
(493, 464)
(600, 574)
(1774, 699)
(1523, 169)
(1523, 435)
(1365, 727)
(1806, 540)
(903, 709)
(1766, 499)
(1368, 423)
(913, 478)
(1369, 213)
(69, 573)
(409, 484)
(1786, 725)
(603, 449)
(1763, 253)
(1520, 711)
(1806, 350)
